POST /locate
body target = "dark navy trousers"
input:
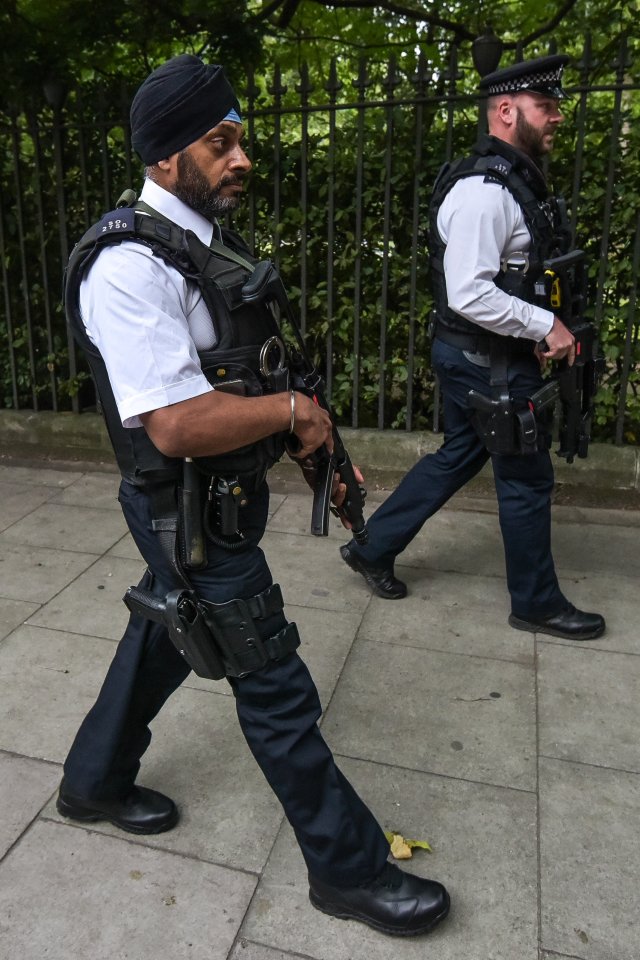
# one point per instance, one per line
(278, 708)
(523, 487)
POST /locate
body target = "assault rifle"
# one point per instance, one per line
(265, 284)
(563, 290)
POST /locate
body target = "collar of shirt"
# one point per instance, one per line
(178, 212)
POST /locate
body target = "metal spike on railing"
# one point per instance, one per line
(277, 88)
(362, 80)
(451, 75)
(305, 87)
(333, 85)
(391, 80)
(421, 78)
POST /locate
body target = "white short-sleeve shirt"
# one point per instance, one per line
(146, 319)
(481, 224)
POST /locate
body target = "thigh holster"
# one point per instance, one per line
(235, 627)
(506, 425)
(219, 639)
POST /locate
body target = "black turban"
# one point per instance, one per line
(176, 105)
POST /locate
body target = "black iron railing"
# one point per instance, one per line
(343, 170)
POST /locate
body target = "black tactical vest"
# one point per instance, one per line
(241, 328)
(500, 163)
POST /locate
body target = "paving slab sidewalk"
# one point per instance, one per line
(517, 756)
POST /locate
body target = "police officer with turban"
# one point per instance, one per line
(492, 224)
(157, 296)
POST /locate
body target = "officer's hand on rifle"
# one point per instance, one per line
(340, 491)
(311, 425)
(559, 343)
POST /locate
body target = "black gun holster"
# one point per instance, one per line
(218, 639)
(509, 426)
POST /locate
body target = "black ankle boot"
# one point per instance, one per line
(381, 580)
(140, 811)
(397, 903)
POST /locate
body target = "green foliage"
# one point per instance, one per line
(360, 257)
(68, 39)
(100, 60)
(609, 243)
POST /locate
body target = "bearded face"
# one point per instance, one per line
(536, 141)
(194, 189)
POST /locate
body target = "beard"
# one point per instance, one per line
(531, 140)
(193, 188)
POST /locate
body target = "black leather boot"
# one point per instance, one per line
(141, 811)
(381, 580)
(570, 624)
(395, 902)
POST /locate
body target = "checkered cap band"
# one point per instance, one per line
(541, 78)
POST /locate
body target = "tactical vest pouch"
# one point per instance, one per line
(223, 368)
(233, 371)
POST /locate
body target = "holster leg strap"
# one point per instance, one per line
(235, 627)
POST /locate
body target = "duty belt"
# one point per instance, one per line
(481, 342)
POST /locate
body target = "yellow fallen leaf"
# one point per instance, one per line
(419, 843)
(401, 847)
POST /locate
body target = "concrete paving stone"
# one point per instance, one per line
(545, 955)
(13, 613)
(98, 490)
(39, 476)
(18, 500)
(450, 612)
(327, 638)
(125, 548)
(198, 757)
(588, 549)
(439, 544)
(607, 517)
(106, 899)
(92, 604)
(25, 787)
(588, 705)
(79, 529)
(246, 950)
(294, 516)
(36, 574)
(589, 850)
(48, 682)
(484, 851)
(457, 540)
(462, 716)
(311, 571)
(275, 502)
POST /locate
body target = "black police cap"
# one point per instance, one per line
(542, 75)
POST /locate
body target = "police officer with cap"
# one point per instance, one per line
(492, 224)
(155, 295)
